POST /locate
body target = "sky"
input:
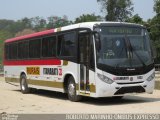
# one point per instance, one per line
(18, 9)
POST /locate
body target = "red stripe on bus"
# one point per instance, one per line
(46, 32)
(32, 62)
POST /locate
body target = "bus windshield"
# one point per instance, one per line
(124, 47)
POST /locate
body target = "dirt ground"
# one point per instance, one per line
(13, 101)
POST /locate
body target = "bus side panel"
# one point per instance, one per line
(12, 74)
(50, 77)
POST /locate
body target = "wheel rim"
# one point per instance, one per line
(71, 89)
(23, 83)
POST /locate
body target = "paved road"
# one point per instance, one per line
(13, 101)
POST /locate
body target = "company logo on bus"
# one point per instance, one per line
(121, 78)
(52, 71)
(125, 78)
(33, 70)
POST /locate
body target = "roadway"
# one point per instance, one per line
(13, 101)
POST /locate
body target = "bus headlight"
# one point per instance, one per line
(105, 79)
(151, 77)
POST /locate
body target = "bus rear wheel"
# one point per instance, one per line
(71, 90)
(24, 85)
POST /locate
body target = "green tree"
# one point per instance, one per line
(116, 10)
(24, 32)
(15, 26)
(88, 18)
(26, 23)
(55, 22)
(157, 6)
(5, 24)
(38, 23)
(3, 36)
(155, 28)
(136, 19)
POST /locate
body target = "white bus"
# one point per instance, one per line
(95, 59)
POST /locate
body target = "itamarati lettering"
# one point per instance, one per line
(50, 71)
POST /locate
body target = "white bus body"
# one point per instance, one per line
(81, 63)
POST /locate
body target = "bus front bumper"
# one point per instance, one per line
(108, 90)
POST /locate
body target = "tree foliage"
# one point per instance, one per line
(24, 32)
(3, 36)
(55, 21)
(116, 10)
(38, 23)
(135, 19)
(157, 6)
(154, 28)
(88, 18)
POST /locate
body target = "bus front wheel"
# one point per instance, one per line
(24, 85)
(71, 90)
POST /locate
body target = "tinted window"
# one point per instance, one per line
(49, 47)
(67, 44)
(23, 51)
(34, 48)
(91, 52)
(12, 51)
(6, 51)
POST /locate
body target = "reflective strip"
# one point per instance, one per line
(32, 62)
(58, 29)
(15, 80)
(47, 83)
(92, 88)
(65, 63)
(37, 82)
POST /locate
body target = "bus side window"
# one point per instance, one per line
(91, 52)
(34, 48)
(13, 51)
(23, 50)
(67, 44)
(49, 46)
(86, 50)
(6, 52)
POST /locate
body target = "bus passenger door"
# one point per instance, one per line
(84, 41)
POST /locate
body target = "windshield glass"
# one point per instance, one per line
(127, 47)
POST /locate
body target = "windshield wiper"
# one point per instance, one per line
(121, 51)
(131, 50)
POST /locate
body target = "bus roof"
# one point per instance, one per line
(74, 26)
(30, 35)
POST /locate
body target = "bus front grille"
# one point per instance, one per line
(133, 89)
(121, 83)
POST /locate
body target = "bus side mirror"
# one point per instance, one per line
(97, 41)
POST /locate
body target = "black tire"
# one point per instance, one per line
(71, 90)
(24, 85)
(117, 97)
